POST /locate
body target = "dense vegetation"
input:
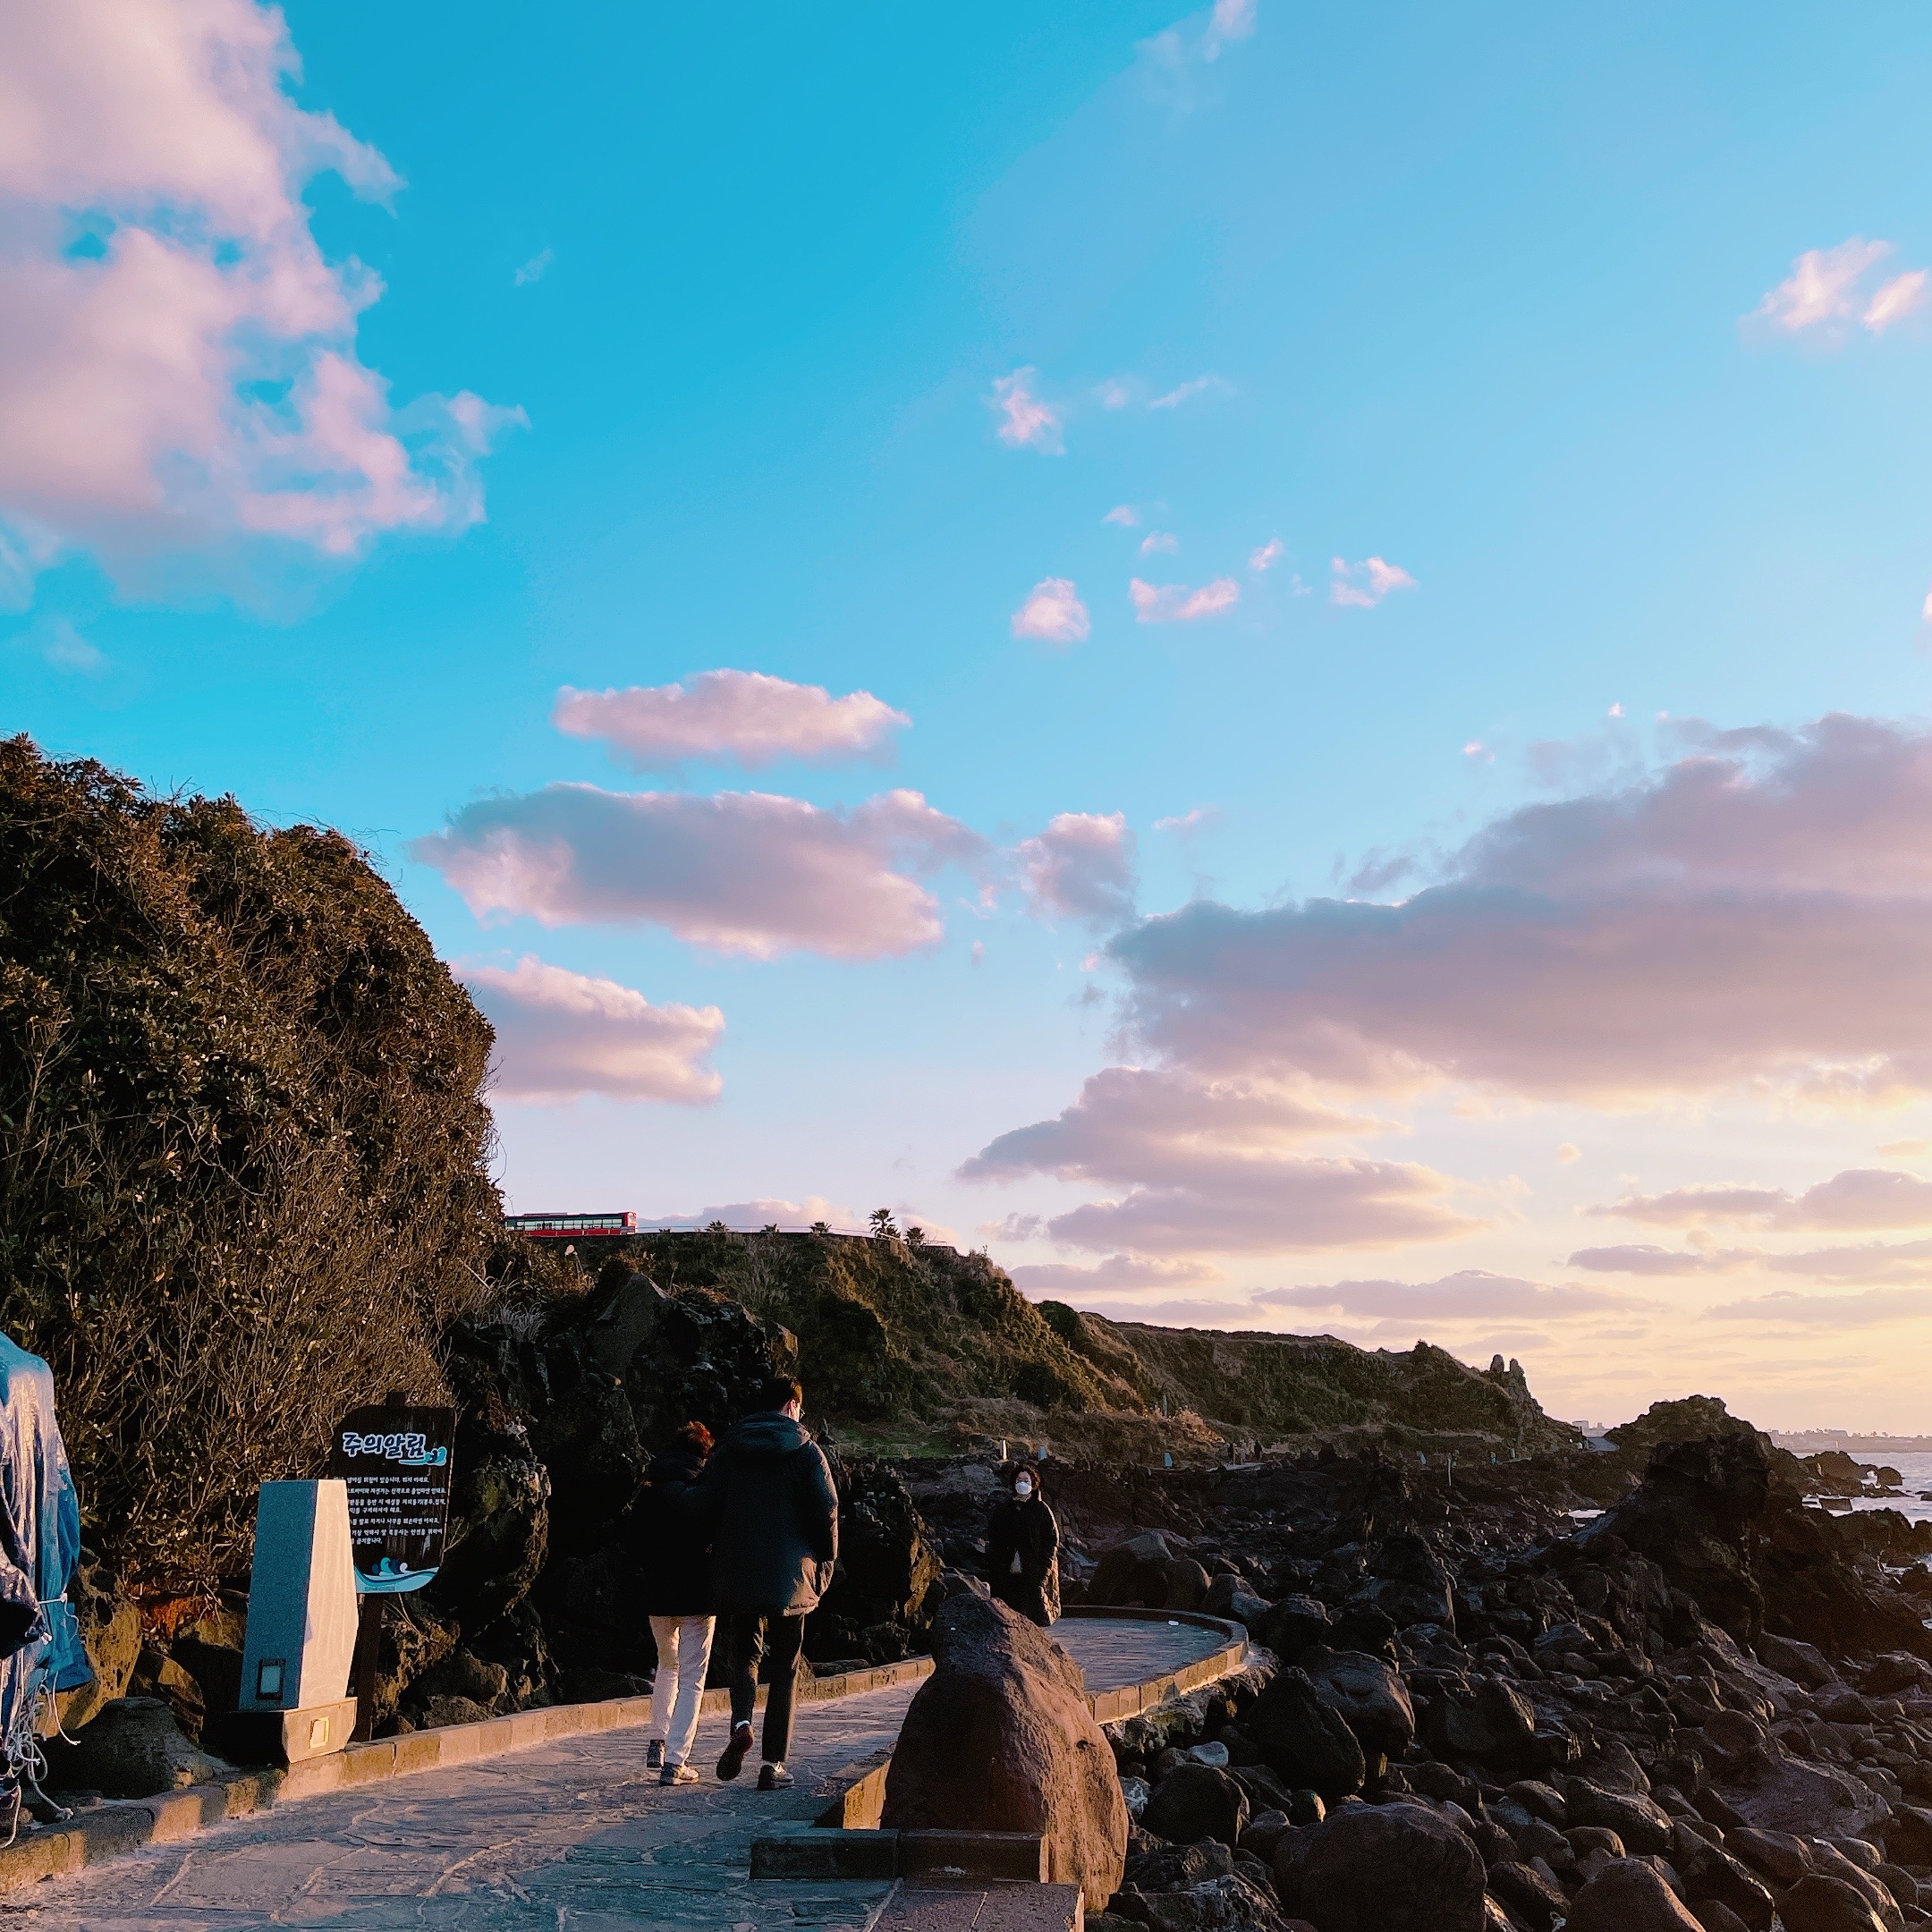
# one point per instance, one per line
(243, 1145)
(917, 1346)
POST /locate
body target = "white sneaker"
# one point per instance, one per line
(654, 1757)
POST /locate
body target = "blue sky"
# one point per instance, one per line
(678, 345)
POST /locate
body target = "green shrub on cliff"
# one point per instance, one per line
(243, 1178)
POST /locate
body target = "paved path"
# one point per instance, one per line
(574, 1836)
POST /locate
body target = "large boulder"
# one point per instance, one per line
(110, 1628)
(1393, 1867)
(1305, 1739)
(586, 1436)
(499, 1528)
(999, 1738)
(133, 1748)
(1819, 1904)
(1292, 1625)
(1531, 1895)
(886, 1586)
(1711, 1874)
(1371, 1697)
(1195, 1801)
(1642, 1824)
(704, 1356)
(1777, 1792)
(1492, 1721)
(1627, 1895)
(1409, 1584)
(1228, 1903)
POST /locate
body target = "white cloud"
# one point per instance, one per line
(1232, 20)
(1186, 823)
(1901, 296)
(1364, 585)
(1755, 917)
(1082, 867)
(1026, 422)
(54, 641)
(1176, 604)
(1051, 1279)
(1859, 1198)
(1198, 385)
(187, 380)
(1053, 611)
(533, 269)
(1213, 1166)
(1125, 515)
(1267, 557)
(1471, 1294)
(1162, 540)
(740, 715)
(1828, 290)
(748, 1217)
(562, 1034)
(743, 872)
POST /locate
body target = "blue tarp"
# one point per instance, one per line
(40, 1647)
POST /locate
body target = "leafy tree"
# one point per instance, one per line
(244, 1153)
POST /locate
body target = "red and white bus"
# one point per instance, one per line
(565, 1226)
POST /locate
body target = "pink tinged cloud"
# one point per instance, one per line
(1186, 392)
(1082, 867)
(741, 872)
(1115, 1272)
(1212, 1167)
(748, 1217)
(132, 378)
(1165, 540)
(1362, 586)
(1267, 557)
(1123, 515)
(1859, 1198)
(1904, 295)
(1758, 913)
(738, 715)
(1054, 612)
(1828, 290)
(561, 1035)
(1025, 422)
(1176, 604)
(1471, 1294)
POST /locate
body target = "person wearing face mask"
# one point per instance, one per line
(1024, 1550)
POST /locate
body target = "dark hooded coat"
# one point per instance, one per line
(767, 1502)
(1025, 1534)
(671, 1547)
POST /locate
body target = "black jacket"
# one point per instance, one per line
(1029, 1531)
(765, 1499)
(672, 1548)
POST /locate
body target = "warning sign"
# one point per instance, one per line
(397, 1461)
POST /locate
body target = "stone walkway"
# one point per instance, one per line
(574, 1836)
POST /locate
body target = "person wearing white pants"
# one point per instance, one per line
(684, 1657)
(676, 1596)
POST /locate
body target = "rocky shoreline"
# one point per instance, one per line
(1709, 1705)
(1495, 1689)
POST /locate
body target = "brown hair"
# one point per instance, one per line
(778, 1391)
(694, 1435)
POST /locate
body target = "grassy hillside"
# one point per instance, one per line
(907, 1347)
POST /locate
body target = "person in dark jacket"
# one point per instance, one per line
(676, 1596)
(766, 1499)
(1024, 1550)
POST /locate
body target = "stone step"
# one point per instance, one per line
(918, 1906)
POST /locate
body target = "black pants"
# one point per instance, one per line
(754, 1635)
